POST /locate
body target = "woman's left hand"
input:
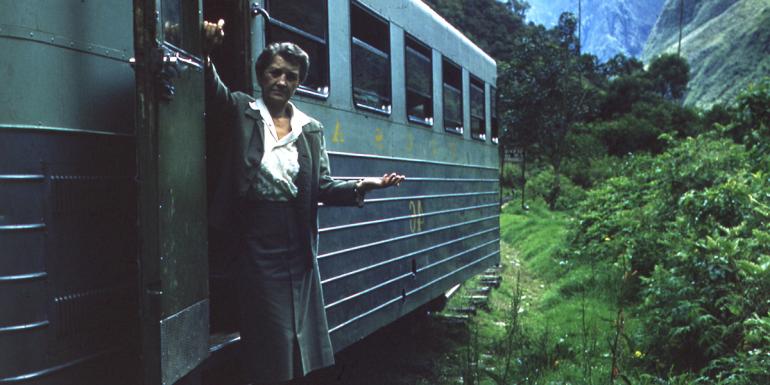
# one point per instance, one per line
(387, 180)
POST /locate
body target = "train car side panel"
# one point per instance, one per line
(67, 209)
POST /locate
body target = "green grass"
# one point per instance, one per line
(536, 234)
(565, 320)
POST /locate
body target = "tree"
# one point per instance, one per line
(620, 65)
(544, 94)
(625, 91)
(669, 74)
(492, 25)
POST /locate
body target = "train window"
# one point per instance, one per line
(171, 15)
(419, 82)
(370, 47)
(179, 27)
(291, 21)
(453, 97)
(478, 121)
(493, 113)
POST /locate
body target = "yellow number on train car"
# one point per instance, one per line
(379, 138)
(453, 151)
(338, 137)
(409, 142)
(417, 222)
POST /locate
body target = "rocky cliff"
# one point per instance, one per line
(727, 43)
(609, 26)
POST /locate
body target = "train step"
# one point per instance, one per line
(471, 310)
(477, 300)
(452, 318)
(493, 282)
(489, 276)
(481, 290)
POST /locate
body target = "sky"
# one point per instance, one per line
(547, 12)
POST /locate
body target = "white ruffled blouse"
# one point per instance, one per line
(280, 165)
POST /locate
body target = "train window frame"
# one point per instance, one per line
(420, 49)
(448, 64)
(477, 85)
(356, 42)
(494, 123)
(183, 39)
(275, 24)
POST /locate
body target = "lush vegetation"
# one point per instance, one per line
(662, 271)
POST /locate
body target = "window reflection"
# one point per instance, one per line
(370, 47)
(370, 85)
(478, 122)
(171, 19)
(419, 82)
(304, 14)
(493, 112)
(292, 21)
(453, 97)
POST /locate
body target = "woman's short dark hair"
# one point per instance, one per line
(290, 52)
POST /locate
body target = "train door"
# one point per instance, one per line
(172, 188)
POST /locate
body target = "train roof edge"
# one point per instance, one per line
(403, 12)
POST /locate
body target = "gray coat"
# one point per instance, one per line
(243, 150)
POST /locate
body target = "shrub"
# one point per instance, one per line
(588, 162)
(690, 225)
(590, 172)
(629, 134)
(717, 116)
(541, 184)
(754, 117)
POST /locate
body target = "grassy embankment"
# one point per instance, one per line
(550, 321)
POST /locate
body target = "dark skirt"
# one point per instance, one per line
(283, 323)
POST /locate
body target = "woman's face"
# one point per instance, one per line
(279, 81)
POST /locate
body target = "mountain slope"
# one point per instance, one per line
(609, 26)
(727, 43)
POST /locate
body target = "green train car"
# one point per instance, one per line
(108, 271)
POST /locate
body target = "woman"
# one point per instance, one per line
(268, 193)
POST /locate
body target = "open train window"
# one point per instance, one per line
(292, 21)
(478, 120)
(493, 113)
(453, 97)
(419, 81)
(370, 60)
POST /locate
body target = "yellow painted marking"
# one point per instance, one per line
(409, 143)
(379, 139)
(416, 222)
(338, 136)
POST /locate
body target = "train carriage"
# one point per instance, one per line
(108, 273)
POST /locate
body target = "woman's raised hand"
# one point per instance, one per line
(213, 34)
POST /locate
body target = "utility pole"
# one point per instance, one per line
(681, 20)
(580, 26)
